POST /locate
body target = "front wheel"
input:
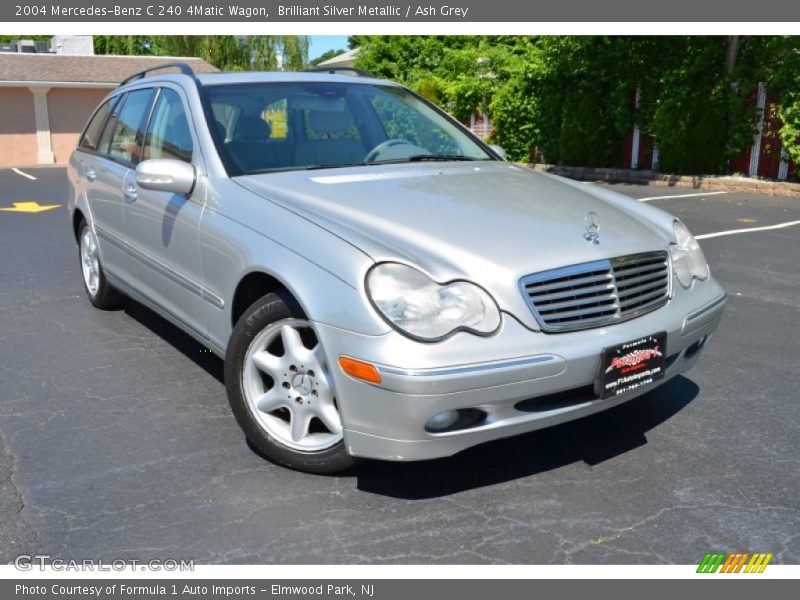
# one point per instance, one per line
(280, 389)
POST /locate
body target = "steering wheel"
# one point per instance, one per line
(376, 151)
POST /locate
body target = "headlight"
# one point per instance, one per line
(422, 308)
(688, 261)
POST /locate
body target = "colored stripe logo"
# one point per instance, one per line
(735, 562)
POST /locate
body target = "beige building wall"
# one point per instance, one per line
(17, 127)
(46, 99)
(69, 110)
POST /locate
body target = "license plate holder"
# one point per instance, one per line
(632, 365)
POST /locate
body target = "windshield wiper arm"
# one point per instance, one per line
(333, 166)
(412, 158)
(442, 157)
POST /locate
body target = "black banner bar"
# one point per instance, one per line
(730, 588)
(385, 10)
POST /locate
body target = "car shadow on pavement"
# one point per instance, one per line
(192, 349)
(593, 440)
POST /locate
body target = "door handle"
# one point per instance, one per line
(90, 174)
(129, 191)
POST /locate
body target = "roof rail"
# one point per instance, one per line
(341, 71)
(184, 68)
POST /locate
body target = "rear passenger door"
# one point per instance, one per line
(105, 212)
(162, 227)
(107, 171)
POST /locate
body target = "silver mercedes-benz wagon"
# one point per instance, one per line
(379, 281)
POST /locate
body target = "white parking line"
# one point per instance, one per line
(18, 172)
(705, 236)
(680, 196)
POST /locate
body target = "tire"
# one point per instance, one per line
(280, 390)
(101, 293)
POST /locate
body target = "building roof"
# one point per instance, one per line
(100, 70)
(346, 59)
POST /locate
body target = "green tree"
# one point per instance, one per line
(326, 55)
(775, 60)
(123, 44)
(570, 99)
(226, 52)
(4, 39)
(295, 51)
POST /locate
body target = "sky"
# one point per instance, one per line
(322, 43)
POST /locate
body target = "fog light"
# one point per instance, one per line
(695, 348)
(443, 421)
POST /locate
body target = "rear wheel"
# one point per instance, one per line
(101, 293)
(280, 389)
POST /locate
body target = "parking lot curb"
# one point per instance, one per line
(710, 183)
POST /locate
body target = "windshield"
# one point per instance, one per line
(280, 126)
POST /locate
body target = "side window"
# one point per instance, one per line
(108, 129)
(126, 142)
(90, 140)
(168, 135)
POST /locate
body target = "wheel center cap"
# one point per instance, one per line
(302, 383)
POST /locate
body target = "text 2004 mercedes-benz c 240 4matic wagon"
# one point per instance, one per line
(379, 282)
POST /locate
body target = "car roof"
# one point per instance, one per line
(283, 76)
(211, 79)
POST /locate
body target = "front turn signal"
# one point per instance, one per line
(359, 369)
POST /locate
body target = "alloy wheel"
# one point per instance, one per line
(288, 388)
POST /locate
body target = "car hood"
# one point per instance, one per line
(490, 222)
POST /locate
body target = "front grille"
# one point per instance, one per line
(598, 293)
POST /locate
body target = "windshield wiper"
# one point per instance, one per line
(442, 157)
(334, 166)
(412, 158)
(303, 168)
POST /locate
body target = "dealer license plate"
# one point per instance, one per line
(632, 365)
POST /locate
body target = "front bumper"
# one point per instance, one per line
(495, 375)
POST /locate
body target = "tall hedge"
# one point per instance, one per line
(569, 99)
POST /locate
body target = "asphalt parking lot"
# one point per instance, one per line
(116, 440)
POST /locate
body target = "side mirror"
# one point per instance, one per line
(166, 175)
(499, 150)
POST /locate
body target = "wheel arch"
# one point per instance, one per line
(257, 284)
(77, 219)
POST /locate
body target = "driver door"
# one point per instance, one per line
(163, 227)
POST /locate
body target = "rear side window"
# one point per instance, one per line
(168, 135)
(105, 137)
(126, 142)
(90, 140)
